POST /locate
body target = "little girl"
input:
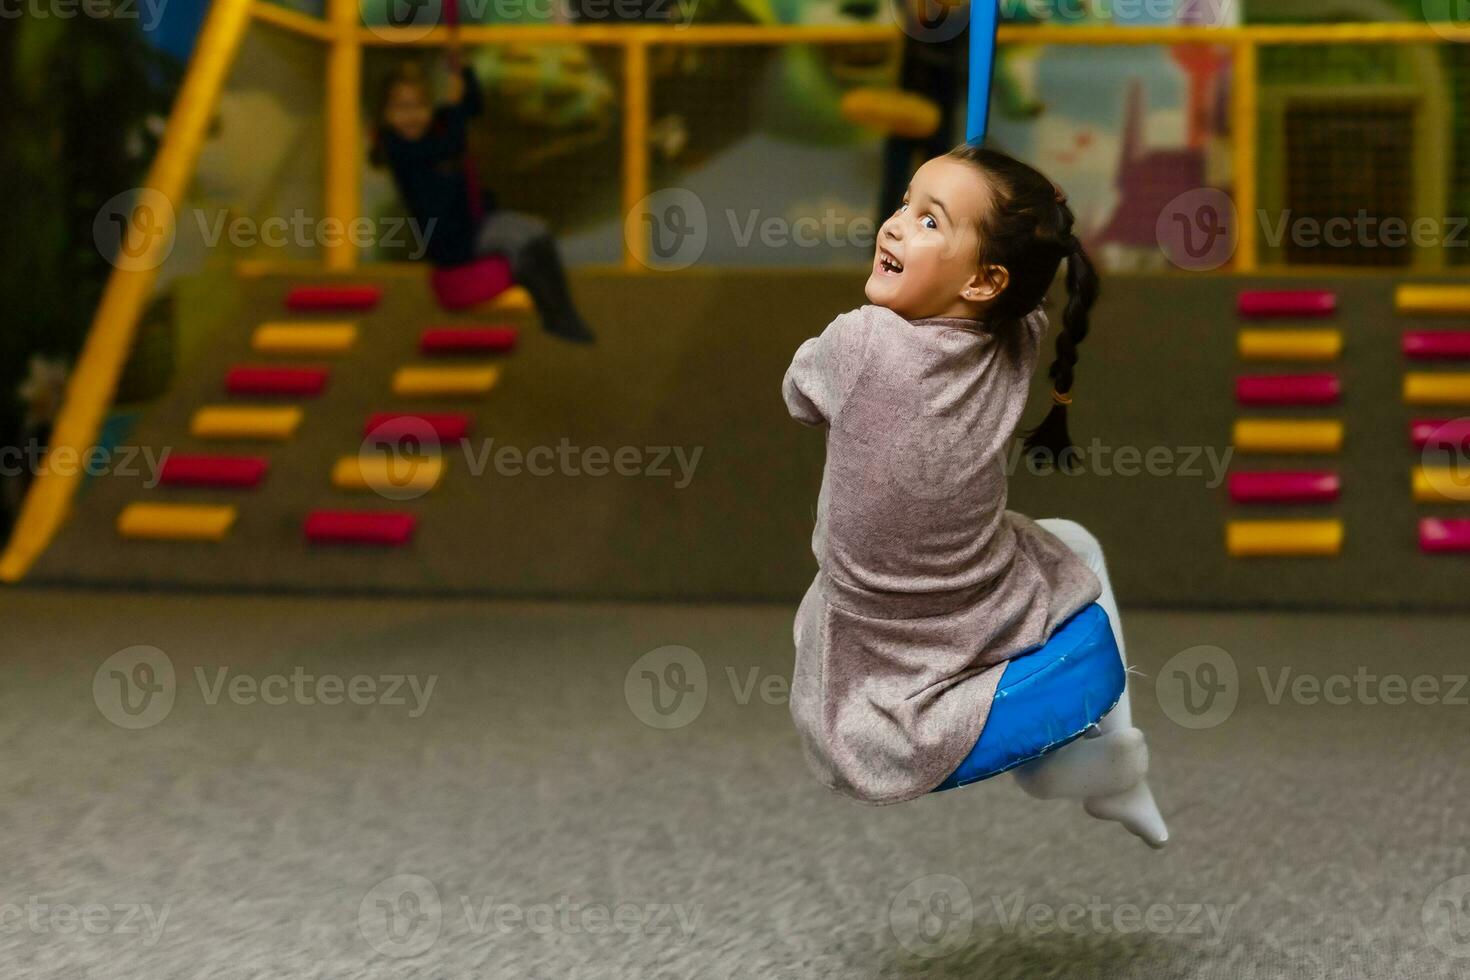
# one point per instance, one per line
(424, 147)
(926, 584)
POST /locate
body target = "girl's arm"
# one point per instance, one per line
(446, 138)
(463, 95)
(825, 369)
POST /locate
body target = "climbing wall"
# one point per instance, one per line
(397, 456)
(1308, 421)
(1240, 450)
(1302, 421)
(1435, 385)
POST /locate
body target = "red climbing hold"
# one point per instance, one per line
(333, 298)
(359, 527)
(468, 340)
(212, 471)
(295, 382)
(392, 426)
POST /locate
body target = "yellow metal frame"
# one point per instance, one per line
(93, 382)
(346, 37)
(94, 379)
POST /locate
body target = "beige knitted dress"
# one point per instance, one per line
(926, 584)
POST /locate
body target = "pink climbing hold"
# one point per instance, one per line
(1445, 433)
(1262, 304)
(1288, 389)
(1444, 534)
(1285, 487)
(379, 527)
(1437, 345)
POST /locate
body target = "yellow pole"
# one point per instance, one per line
(286, 19)
(635, 149)
(342, 170)
(94, 378)
(1244, 130)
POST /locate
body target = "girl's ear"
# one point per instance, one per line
(988, 282)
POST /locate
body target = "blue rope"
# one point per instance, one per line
(984, 22)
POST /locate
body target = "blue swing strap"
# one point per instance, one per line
(984, 23)
(1047, 698)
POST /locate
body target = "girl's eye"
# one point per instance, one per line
(928, 221)
(903, 207)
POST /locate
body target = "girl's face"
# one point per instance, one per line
(925, 264)
(408, 112)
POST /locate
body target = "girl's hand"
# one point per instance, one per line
(454, 91)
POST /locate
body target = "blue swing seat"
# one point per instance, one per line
(1047, 698)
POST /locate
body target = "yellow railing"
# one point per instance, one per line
(91, 388)
(346, 37)
(94, 380)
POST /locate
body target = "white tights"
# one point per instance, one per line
(1106, 768)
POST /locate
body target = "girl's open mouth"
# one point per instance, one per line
(888, 263)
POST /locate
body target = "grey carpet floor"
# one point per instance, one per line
(533, 820)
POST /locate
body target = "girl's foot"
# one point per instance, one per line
(1088, 767)
(1106, 773)
(569, 328)
(1135, 809)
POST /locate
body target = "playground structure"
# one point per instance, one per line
(1266, 510)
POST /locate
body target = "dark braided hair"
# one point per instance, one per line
(1027, 229)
